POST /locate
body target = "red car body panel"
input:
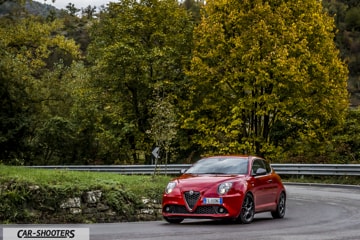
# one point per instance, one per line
(180, 203)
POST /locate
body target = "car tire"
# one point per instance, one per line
(247, 211)
(280, 208)
(173, 220)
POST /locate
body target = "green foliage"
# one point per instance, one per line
(257, 65)
(13, 197)
(89, 12)
(352, 19)
(72, 10)
(138, 47)
(347, 39)
(163, 125)
(347, 140)
(265, 78)
(193, 6)
(25, 49)
(123, 202)
(351, 3)
(54, 137)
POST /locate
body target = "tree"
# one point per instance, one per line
(261, 66)
(163, 125)
(72, 10)
(25, 47)
(346, 147)
(89, 11)
(347, 39)
(337, 9)
(194, 7)
(138, 46)
(352, 19)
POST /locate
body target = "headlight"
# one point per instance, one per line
(170, 187)
(224, 188)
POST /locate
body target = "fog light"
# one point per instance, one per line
(167, 209)
(221, 210)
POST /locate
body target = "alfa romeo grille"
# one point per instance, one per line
(191, 198)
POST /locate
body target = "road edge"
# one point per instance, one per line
(324, 185)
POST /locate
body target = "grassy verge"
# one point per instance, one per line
(29, 195)
(81, 180)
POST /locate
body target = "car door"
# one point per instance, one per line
(261, 184)
(272, 184)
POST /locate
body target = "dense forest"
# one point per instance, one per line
(107, 85)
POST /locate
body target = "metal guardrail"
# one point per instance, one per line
(318, 169)
(171, 169)
(174, 169)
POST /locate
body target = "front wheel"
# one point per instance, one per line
(247, 211)
(280, 208)
(173, 220)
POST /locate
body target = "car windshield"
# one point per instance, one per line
(220, 165)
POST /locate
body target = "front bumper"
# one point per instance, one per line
(176, 206)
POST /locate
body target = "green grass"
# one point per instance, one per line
(136, 184)
(28, 194)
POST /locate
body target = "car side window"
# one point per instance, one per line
(267, 166)
(257, 163)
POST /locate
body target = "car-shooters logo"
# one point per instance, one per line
(47, 233)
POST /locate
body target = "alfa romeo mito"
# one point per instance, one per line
(225, 187)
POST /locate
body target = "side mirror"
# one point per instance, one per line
(260, 171)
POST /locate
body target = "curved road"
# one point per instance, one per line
(313, 213)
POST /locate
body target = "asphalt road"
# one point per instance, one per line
(313, 213)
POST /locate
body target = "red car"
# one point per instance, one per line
(225, 187)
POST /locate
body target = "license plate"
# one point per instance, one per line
(212, 201)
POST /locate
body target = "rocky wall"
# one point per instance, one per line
(41, 205)
(91, 208)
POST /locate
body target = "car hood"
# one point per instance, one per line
(204, 181)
